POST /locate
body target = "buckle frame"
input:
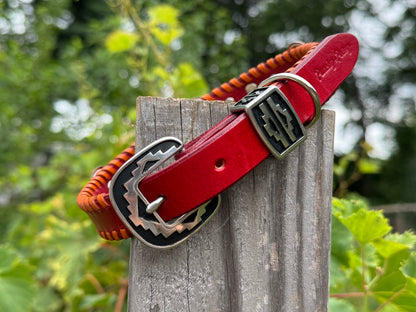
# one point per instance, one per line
(138, 214)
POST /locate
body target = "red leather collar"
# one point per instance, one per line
(218, 158)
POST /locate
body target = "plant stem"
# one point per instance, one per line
(121, 295)
(115, 250)
(363, 268)
(93, 280)
(364, 284)
(129, 8)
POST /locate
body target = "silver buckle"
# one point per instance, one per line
(274, 118)
(138, 214)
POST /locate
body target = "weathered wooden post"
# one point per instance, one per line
(268, 246)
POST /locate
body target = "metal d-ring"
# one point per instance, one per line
(302, 82)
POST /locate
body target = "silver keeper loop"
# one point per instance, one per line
(302, 82)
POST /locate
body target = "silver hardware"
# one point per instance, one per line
(138, 214)
(152, 207)
(305, 84)
(294, 45)
(250, 87)
(274, 119)
(95, 171)
(230, 101)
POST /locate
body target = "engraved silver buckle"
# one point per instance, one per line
(138, 214)
(305, 84)
(274, 118)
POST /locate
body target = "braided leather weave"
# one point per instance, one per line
(285, 61)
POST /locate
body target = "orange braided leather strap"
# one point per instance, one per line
(283, 62)
(94, 198)
(95, 201)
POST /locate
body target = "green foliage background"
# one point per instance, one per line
(70, 74)
(372, 269)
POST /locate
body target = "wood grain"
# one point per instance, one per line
(268, 246)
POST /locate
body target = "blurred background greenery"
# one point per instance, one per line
(70, 74)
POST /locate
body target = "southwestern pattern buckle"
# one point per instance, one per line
(140, 215)
(274, 118)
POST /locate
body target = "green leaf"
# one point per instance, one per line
(47, 177)
(97, 300)
(395, 254)
(367, 226)
(47, 300)
(187, 82)
(397, 260)
(341, 241)
(164, 23)
(354, 268)
(341, 167)
(73, 242)
(342, 208)
(340, 305)
(369, 166)
(339, 278)
(120, 41)
(390, 308)
(7, 258)
(387, 248)
(409, 269)
(160, 73)
(388, 284)
(397, 288)
(407, 238)
(17, 287)
(23, 177)
(56, 204)
(406, 302)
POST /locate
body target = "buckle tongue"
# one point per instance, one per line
(274, 118)
(138, 214)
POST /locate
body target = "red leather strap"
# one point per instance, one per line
(194, 178)
(225, 153)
